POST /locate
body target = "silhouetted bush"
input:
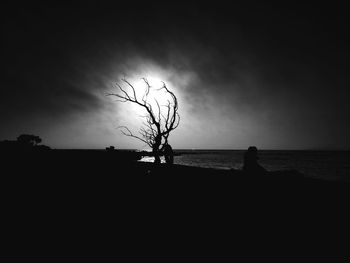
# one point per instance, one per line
(24, 142)
(29, 139)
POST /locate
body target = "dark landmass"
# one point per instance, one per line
(112, 169)
(31, 169)
(69, 195)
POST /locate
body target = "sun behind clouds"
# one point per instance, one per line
(155, 95)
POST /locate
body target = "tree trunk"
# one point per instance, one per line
(155, 148)
(156, 155)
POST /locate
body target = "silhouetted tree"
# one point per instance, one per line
(158, 124)
(27, 139)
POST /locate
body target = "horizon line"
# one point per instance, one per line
(212, 149)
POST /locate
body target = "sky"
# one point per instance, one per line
(271, 75)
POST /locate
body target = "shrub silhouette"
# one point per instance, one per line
(29, 140)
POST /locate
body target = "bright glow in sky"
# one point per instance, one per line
(156, 94)
(130, 114)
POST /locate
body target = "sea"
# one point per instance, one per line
(328, 165)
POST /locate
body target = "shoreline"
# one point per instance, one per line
(99, 179)
(120, 165)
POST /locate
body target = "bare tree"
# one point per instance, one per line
(158, 123)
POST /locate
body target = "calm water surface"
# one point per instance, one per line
(330, 165)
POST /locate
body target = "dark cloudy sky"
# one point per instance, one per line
(274, 76)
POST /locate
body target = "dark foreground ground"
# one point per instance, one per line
(78, 173)
(81, 202)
